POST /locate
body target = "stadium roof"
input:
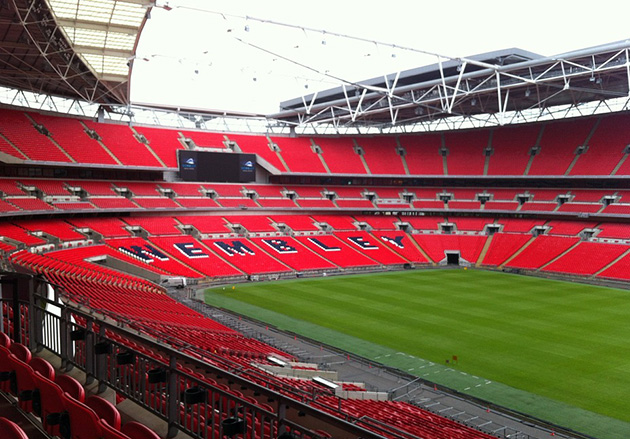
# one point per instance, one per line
(492, 84)
(79, 49)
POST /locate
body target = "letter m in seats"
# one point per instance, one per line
(145, 253)
(236, 248)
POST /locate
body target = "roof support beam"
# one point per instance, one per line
(94, 25)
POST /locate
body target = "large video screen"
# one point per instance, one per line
(216, 166)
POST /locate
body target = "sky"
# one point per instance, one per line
(249, 55)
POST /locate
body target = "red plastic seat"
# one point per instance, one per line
(50, 403)
(21, 351)
(10, 430)
(136, 430)
(4, 340)
(110, 432)
(4, 369)
(23, 385)
(43, 367)
(105, 410)
(84, 423)
(71, 386)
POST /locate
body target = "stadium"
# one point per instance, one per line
(439, 252)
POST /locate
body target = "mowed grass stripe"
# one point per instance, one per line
(562, 340)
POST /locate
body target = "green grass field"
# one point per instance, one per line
(557, 350)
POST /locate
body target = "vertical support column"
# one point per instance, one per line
(90, 366)
(282, 415)
(64, 338)
(172, 401)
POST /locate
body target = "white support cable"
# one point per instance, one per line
(337, 34)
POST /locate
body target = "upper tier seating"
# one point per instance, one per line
(510, 149)
(205, 140)
(423, 154)
(16, 127)
(558, 144)
(340, 156)
(258, 144)
(163, 142)
(381, 156)
(298, 155)
(605, 148)
(71, 136)
(466, 152)
(120, 141)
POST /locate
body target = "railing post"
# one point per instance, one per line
(64, 339)
(172, 398)
(101, 360)
(90, 366)
(35, 317)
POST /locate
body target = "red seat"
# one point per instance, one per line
(21, 351)
(110, 432)
(4, 340)
(23, 385)
(84, 423)
(105, 410)
(4, 369)
(10, 430)
(43, 367)
(136, 430)
(71, 386)
(49, 403)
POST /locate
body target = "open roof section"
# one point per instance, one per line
(78, 49)
(487, 86)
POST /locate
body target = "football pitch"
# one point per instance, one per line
(557, 350)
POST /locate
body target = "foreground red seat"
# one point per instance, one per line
(43, 367)
(71, 386)
(21, 351)
(10, 430)
(22, 384)
(110, 432)
(49, 403)
(105, 410)
(82, 421)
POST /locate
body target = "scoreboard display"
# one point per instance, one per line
(216, 166)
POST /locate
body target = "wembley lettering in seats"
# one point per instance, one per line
(236, 248)
(190, 250)
(362, 243)
(396, 240)
(146, 253)
(280, 245)
(323, 246)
